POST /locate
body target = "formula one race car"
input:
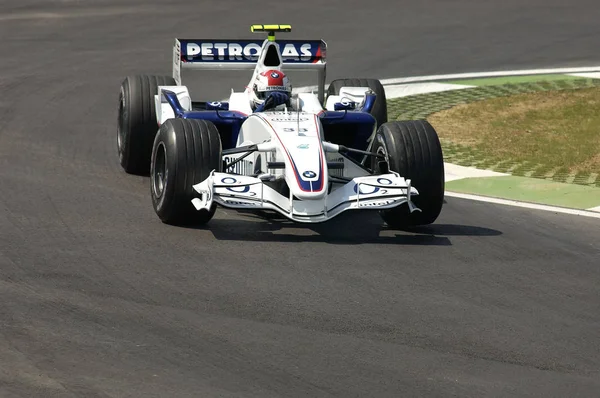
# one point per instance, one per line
(300, 154)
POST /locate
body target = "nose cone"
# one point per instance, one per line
(300, 147)
(307, 177)
(310, 182)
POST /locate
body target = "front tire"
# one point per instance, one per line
(412, 149)
(184, 153)
(136, 121)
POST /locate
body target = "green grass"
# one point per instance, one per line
(424, 106)
(543, 130)
(530, 190)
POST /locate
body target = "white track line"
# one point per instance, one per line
(526, 205)
(457, 76)
(455, 172)
(591, 75)
(406, 90)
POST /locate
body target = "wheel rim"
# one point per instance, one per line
(159, 176)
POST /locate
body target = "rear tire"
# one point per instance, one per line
(413, 150)
(379, 110)
(184, 153)
(136, 123)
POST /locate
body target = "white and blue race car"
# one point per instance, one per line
(323, 154)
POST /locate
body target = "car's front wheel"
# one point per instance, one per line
(412, 149)
(184, 153)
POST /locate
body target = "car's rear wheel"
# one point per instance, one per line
(412, 149)
(379, 111)
(184, 153)
(136, 123)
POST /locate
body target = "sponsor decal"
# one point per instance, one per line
(274, 88)
(365, 189)
(289, 119)
(303, 146)
(292, 51)
(309, 174)
(217, 105)
(377, 203)
(240, 189)
(245, 167)
(291, 130)
(275, 75)
(384, 181)
(238, 203)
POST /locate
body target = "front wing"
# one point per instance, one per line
(251, 193)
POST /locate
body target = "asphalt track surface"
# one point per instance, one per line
(99, 299)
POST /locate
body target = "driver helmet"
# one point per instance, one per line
(268, 81)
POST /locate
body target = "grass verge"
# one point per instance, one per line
(548, 129)
(555, 129)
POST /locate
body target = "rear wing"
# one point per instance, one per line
(207, 54)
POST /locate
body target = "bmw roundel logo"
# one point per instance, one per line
(309, 174)
(274, 75)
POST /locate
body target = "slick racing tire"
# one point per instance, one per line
(184, 153)
(136, 124)
(379, 111)
(413, 150)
